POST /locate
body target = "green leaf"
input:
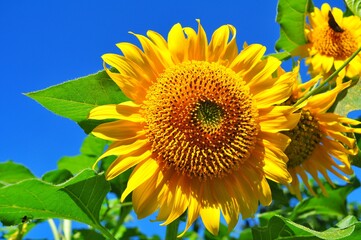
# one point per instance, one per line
(118, 184)
(280, 55)
(246, 234)
(90, 150)
(84, 234)
(93, 146)
(78, 199)
(74, 99)
(57, 176)
(283, 228)
(11, 172)
(354, 6)
(133, 233)
(291, 16)
(350, 100)
(332, 206)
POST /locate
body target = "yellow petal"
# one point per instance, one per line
(248, 58)
(264, 190)
(177, 44)
(117, 130)
(127, 79)
(145, 197)
(139, 62)
(179, 201)
(276, 168)
(142, 172)
(294, 186)
(126, 111)
(211, 218)
(124, 162)
(244, 193)
(279, 118)
(227, 201)
(193, 213)
(218, 46)
(258, 76)
(275, 140)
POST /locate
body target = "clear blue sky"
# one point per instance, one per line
(43, 43)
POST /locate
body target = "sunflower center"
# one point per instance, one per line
(334, 43)
(208, 115)
(201, 120)
(305, 136)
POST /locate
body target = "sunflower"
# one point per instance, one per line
(202, 130)
(319, 139)
(332, 40)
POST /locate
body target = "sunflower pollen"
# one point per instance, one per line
(200, 119)
(305, 137)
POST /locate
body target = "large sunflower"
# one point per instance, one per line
(332, 40)
(321, 142)
(202, 129)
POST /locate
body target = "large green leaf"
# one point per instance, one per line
(291, 15)
(354, 6)
(91, 149)
(57, 176)
(283, 228)
(74, 99)
(11, 172)
(78, 199)
(334, 205)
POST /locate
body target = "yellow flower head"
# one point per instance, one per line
(202, 129)
(332, 40)
(319, 138)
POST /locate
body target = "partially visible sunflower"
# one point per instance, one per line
(319, 138)
(332, 40)
(202, 129)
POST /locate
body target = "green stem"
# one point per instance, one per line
(123, 207)
(317, 89)
(172, 230)
(53, 229)
(67, 229)
(105, 232)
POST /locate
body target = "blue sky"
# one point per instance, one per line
(44, 43)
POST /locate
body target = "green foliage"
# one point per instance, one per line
(281, 227)
(79, 199)
(223, 234)
(316, 212)
(91, 149)
(354, 6)
(84, 234)
(350, 100)
(291, 17)
(11, 172)
(57, 176)
(280, 55)
(74, 99)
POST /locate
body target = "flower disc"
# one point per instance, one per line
(201, 120)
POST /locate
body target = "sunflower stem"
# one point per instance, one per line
(53, 229)
(105, 232)
(319, 87)
(172, 230)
